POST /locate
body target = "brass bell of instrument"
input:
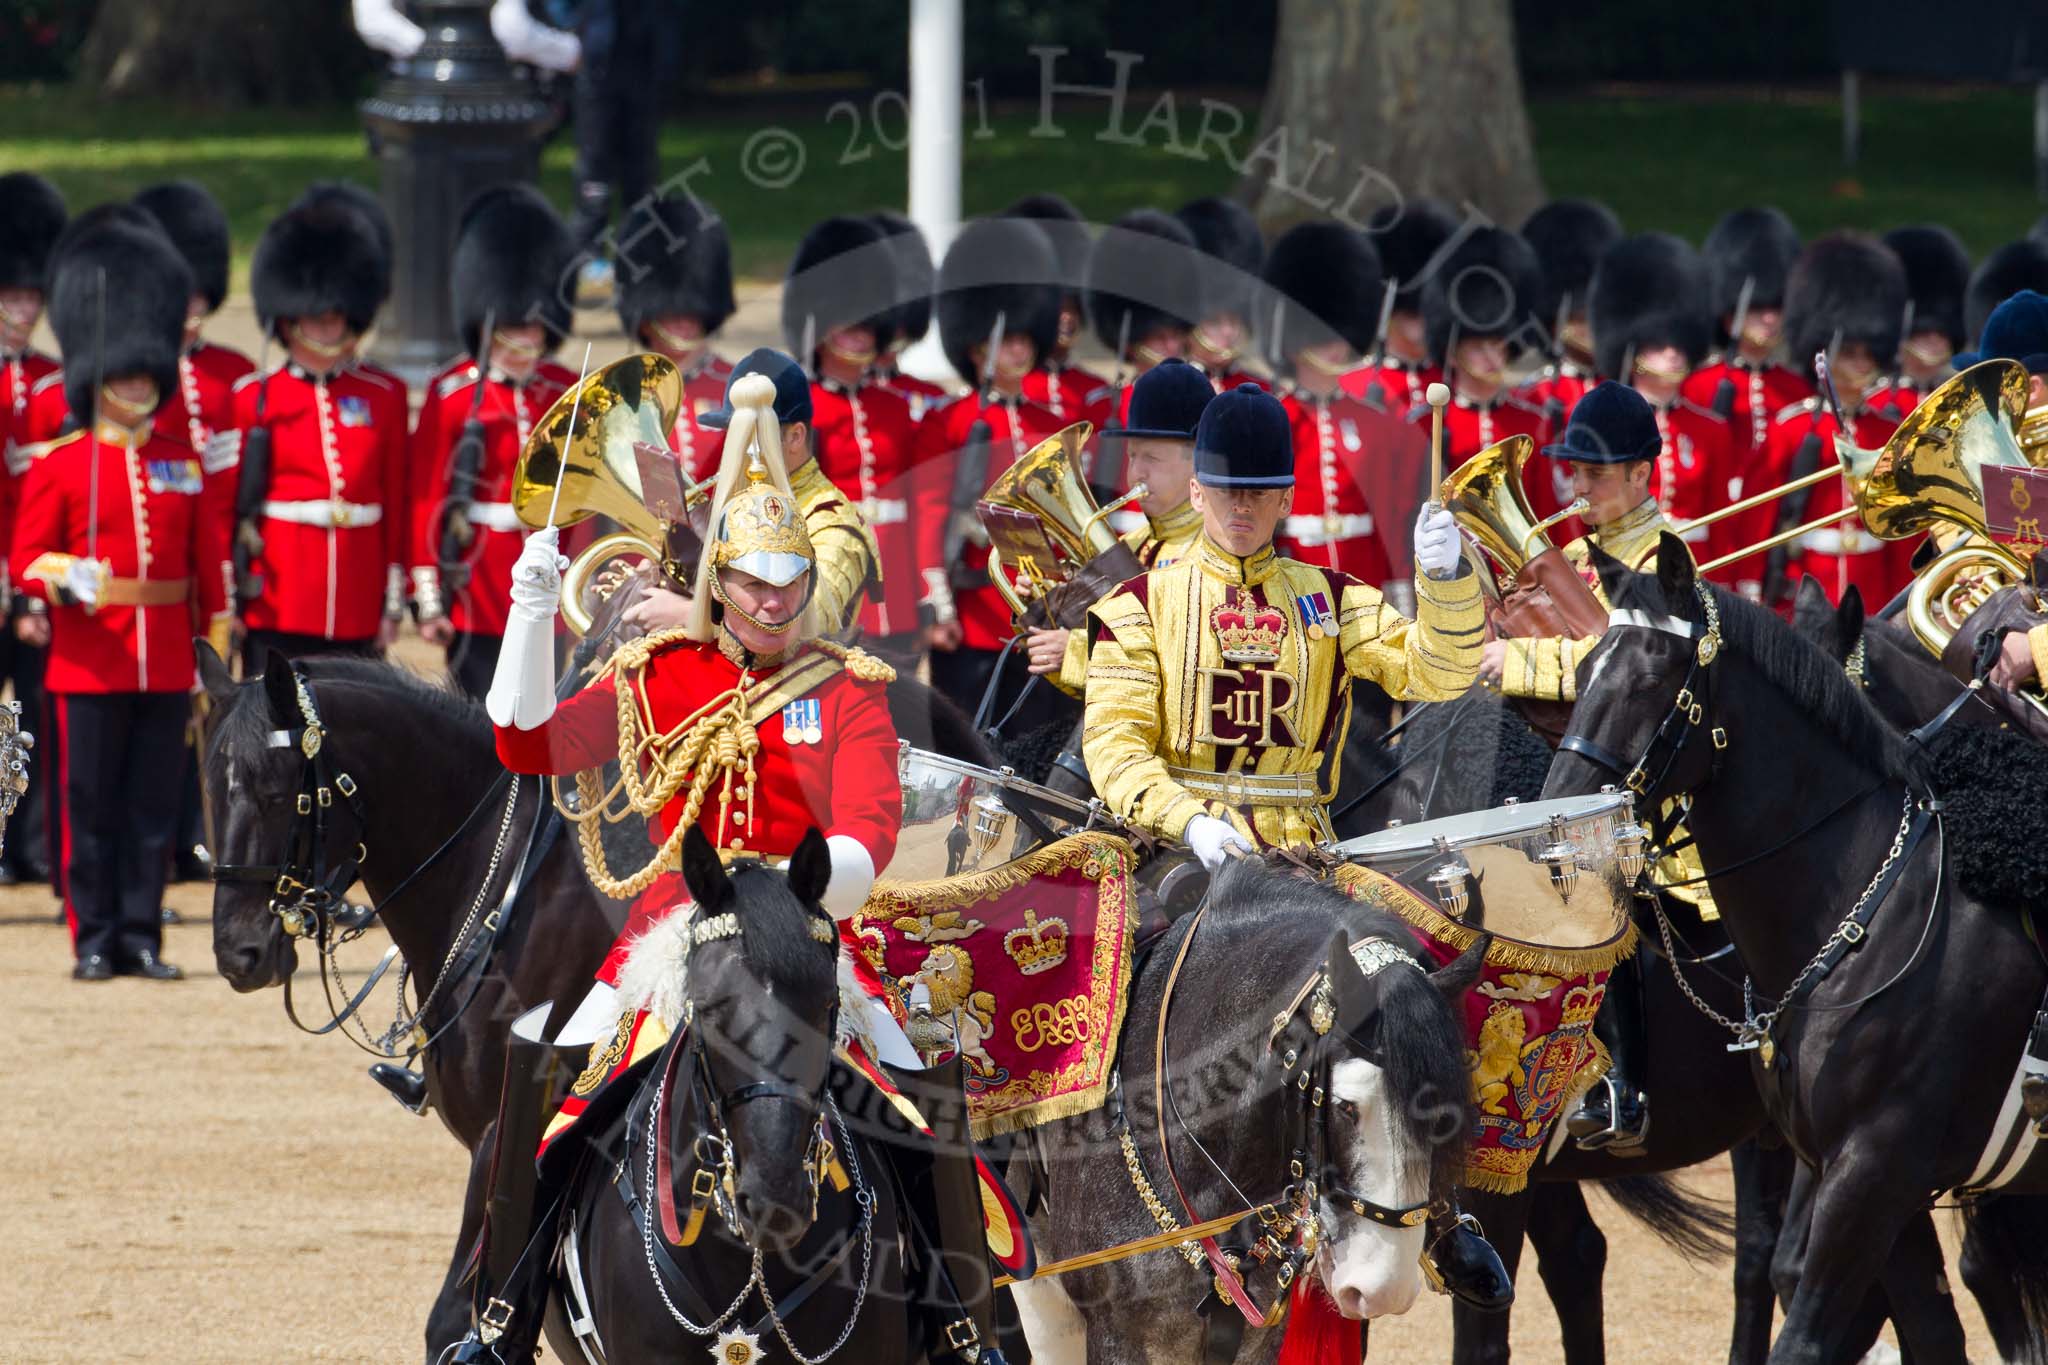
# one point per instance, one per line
(1041, 519)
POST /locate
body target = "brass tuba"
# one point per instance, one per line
(1486, 495)
(1042, 522)
(631, 401)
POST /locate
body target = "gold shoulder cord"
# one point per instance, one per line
(715, 742)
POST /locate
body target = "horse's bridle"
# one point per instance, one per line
(308, 892)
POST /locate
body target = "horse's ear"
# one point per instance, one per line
(810, 868)
(1461, 973)
(1813, 617)
(281, 688)
(1675, 572)
(1611, 571)
(213, 673)
(1849, 616)
(702, 872)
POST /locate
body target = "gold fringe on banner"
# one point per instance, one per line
(1377, 889)
(890, 899)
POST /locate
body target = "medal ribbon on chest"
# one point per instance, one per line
(803, 722)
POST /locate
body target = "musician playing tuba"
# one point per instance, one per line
(2018, 330)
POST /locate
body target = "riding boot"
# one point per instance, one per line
(942, 1195)
(512, 1282)
(1462, 1263)
(1615, 1115)
(403, 1084)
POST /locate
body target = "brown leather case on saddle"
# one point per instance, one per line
(1065, 605)
(2014, 608)
(1548, 598)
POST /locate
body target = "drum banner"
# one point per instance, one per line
(1528, 1027)
(1029, 962)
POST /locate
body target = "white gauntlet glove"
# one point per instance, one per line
(522, 693)
(853, 875)
(1212, 840)
(82, 582)
(1437, 548)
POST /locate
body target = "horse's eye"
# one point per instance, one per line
(1349, 1109)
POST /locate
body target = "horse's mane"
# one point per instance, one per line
(437, 698)
(1812, 681)
(775, 935)
(1421, 1042)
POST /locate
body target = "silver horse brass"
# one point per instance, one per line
(1547, 872)
(961, 818)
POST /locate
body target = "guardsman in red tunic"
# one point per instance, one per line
(1355, 467)
(1479, 308)
(1001, 269)
(1070, 392)
(1937, 278)
(1652, 321)
(32, 217)
(1408, 237)
(1750, 252)
(862, 432)
(1143, 294)
(909, 317)
(512, 252)
(1847, 298)
(674, 290)
(1569, 236)
(111, 535)
(328, 538)
(1233, 258)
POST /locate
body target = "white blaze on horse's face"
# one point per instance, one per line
(1373, 1271)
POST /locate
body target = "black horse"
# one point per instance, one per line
(797, 1242)
(1222, 998)
(1811, 814)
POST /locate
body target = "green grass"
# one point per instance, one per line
(1673, 164)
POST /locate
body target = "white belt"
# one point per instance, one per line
(884, 511)
(1695, 535)
(495, 516)
(326, 512)
(1830, 541)
(1324, 530)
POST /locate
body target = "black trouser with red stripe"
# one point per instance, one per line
(122, 754)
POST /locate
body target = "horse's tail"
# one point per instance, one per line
(2007, 1237)
(1696, 1227)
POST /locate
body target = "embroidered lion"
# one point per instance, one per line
(947, 974)
(1500, 1066)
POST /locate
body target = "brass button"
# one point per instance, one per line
(735, 845)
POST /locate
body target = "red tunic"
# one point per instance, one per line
(1554, 391)
(703, 391)
(1898, 398)
(1692, 476)
(1342, 460)
(1070, 393)
(336, 521)
(1015, 425)
(19, 373)
(149, 527)
(843, 783)
(1845, 553)
(1402, 384)
(1761, 393)
(865, 441)
(509, 412)
(921, 394)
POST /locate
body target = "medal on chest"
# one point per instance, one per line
(1685, 456)
(173, 476)
(353, 410)
(1317, 621)
(803, 722)
(1348, 430)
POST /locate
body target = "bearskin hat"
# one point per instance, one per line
(31, 216)
(147, 287)
(1408, 237)
(192, 218)
(1937, 274)
(1651, 290)
(1229, 237)
(1757, 244)
(1064, 228)
(512, 261)
(998, 267)
(2015, 266)
(823, 291)
(370, 209)
(1488, 286)
(1569, 236)
(320, 256)
(1145, 268)
(910, 317)
(1322, 280)
(674, 260)
(1845, 287)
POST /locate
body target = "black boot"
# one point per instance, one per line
(408, 1087)
(1615, 1115)
(1460, 1261)
(942, 1195)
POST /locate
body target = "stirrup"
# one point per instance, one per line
(408, 1087)
(1614, 1138)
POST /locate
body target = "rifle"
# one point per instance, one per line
(1724, 392)
(1553, 407)
(92, 474)
(1805, 460)
(1376, 392)
(1108, 474)
(457, 535)
(252, 490)
(970, 470)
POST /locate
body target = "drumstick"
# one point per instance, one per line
(575, 406)
(1438, 395)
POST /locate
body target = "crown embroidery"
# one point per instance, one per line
(1249, 633)
(1037, 946)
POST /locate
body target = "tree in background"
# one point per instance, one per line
(1409, 98)
(229, 52)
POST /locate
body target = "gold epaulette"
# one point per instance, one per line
(859, 662)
